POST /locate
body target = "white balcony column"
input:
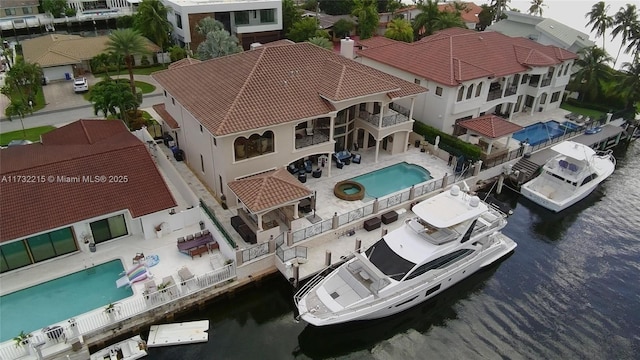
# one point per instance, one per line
(505, 86)
(332, 124)
(406, 141)
(377, 149)
(413, 100)
(295, 211)
(535, 103)
(259, 222)
(489, 147)
(381, 114)
(328, 165)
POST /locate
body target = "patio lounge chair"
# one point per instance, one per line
(185, 274)
(356, 158)
(150, 287)
(308, 166)
(190, 237)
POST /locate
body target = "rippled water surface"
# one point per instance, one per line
(571, 290)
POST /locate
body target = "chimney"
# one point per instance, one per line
(255, 45)
(346, 48)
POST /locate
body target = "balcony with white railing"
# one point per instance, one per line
(391, 118)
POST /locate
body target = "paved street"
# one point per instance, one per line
(64, 106)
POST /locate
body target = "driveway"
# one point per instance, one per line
(59, 95)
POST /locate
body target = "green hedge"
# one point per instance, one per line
(587, 105)
(449, 143)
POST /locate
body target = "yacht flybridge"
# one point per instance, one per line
(452, 236)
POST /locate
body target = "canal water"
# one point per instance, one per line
(570, 290)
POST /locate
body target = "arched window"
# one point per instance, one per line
(543, 98)
(470, 92)
(255, 145)
(566, 69)
(479, 90)
(460, 93)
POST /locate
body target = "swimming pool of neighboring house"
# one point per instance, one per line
(392, 178)
(542, 131)
(59, 299)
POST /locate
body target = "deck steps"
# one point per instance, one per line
(527, 168)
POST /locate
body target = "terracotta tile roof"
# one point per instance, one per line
(455, 55)
(269, 190)
(183, 62)
(490, 126)
(57, 49)
(164, 114)
(268, 86)
(375, 41)
(469, 15)
(29, 208)
(342, 82)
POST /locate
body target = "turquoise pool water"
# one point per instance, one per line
(59, 299)
(540, 132)
(392, 178)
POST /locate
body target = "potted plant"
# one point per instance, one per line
(158, 229)
(111, 310)
(22, 339)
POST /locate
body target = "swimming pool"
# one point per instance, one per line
(59, 299)
(392, 178)
(540, 132)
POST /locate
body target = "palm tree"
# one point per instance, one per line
(367, 13)
(600, 20)
(499, 7)
(625, 21)
(423, 22)
(448, 20)
(628, 84)
(536, 7)
(151, 21)
(321, 42)
(593, 72)
(126, 43)
(399, 29)
(19, 108)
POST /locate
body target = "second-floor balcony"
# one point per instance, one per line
(390, 118)
(511, 90)
(311, 137)
(494, 94)
(545, 82)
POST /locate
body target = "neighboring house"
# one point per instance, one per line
(281, 106)
(12, 8)
(250, 21)
(65, 56)
(91, 180)
(541, 30)
(469, 74)
(326, 22)
(469, 15)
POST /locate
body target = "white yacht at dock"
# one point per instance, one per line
(569, 176)
(452, 236)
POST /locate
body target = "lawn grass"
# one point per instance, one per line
(145, 87)
(33, 134)
(582, 111)
(39, 99)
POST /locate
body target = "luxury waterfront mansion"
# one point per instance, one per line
(469, 74)
(281, 105)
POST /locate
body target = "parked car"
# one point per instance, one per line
(80, 84)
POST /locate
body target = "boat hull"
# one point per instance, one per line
(415, 292)
(545, 199)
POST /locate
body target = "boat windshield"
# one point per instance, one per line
(387, 261)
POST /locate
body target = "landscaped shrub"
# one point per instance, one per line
(587, 105)
(449, 143)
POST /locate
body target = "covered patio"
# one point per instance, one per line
(267, 202)
(486, 131)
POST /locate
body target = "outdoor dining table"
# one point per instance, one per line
(185, 246)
